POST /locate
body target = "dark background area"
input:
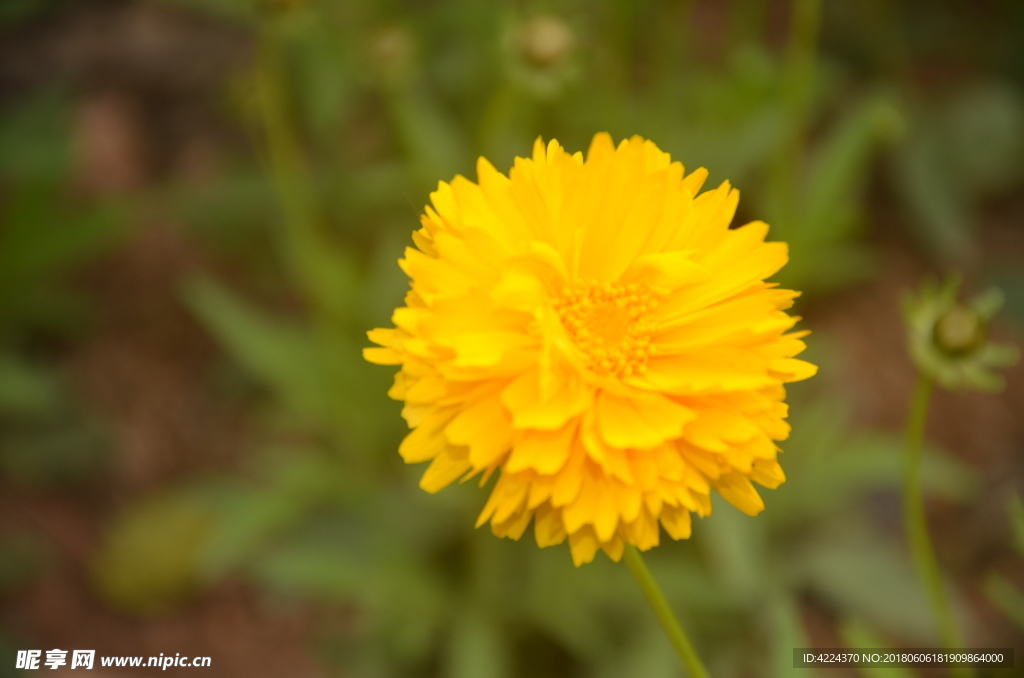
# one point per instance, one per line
(201, 204)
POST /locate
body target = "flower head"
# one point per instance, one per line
(948, 341)
(595, 330)
(539, 54)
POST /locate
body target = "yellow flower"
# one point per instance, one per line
(595, 330)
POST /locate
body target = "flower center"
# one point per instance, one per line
(608, 322)
(959, 330)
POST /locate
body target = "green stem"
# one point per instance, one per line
(664, 613)
(312, 259)
(916, 525)
(287, 164)
(799, 72)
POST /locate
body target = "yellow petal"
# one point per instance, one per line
(606, 517)
(382, 356)
(643, 532)
(792, 369)
(668, 270)
(583, 545)
(426, 441)
(446, 468)
(716, 430)
(676, 522)
(530, 409)
(583, 509)
(737, 490)
(485, 428)
(547, 527)
(768, 473)
(708, 371)
(570, 478)
(628, 500)
(614, 548)
(543, 451)
(511, 501)
(514, 526)
(641, 421)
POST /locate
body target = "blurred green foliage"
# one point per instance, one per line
(1002, 593)
(46, 440)
(354, 110)
(966, 147)
(44, 229)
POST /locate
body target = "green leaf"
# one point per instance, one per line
(26, 389)
(736, 550)
(35, 136)
(870, 580)
(787, 633)
(857, 636)
(823, 254)
(245, 519)
(324, 69)
(1006, 597)
(846, 466)
(985, 133)
(147, 561)
(41, 234)
(249, 517)
(356, 200)
(386, 283)
(234, 204)
(838, 168)
(401, 598)
(432, 142)
(1009, 277)
(316, 571)
(278, 353)
(646, 653)
(941, 211)
(563, 601)
(476, 647)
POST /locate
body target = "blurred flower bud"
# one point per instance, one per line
(546, 41)
(948, 340)
(539, 54)
(959, 330)
(392, 53)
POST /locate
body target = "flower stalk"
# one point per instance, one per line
(916, 526)
(673, 629)
(949, 344)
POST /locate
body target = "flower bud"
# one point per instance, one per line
(948, 340)
(546, 41)
(392, 53)
(959, 330)
(539, 55)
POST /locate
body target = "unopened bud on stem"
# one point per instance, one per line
(959, 330)
(948, 340)
(546, 41)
